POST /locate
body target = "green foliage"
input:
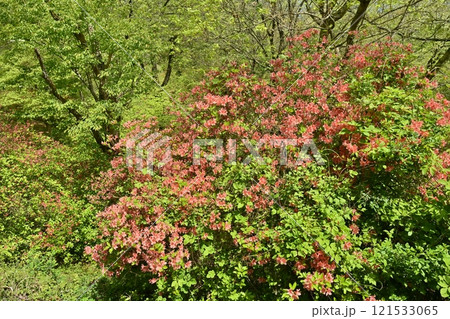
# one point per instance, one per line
(43, 196)
(71, 73)
(85, 62)
(40, 279)
(444, 282)
(156, 105)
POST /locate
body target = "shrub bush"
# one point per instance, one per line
(42, 206)
(371, 223)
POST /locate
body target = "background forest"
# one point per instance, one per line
(367, 80)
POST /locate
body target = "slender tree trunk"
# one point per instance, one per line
(357, 18)
(169, 61)
(434, 67)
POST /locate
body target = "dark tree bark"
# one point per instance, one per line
(435, 64)
(329, 19)
(169, 61)
(47, 78)
(356, 21)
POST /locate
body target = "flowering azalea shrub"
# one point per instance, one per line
(42, 208)
(372, 223)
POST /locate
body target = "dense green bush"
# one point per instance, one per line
(43, 196)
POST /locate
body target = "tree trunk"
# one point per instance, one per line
(357, 18)
(169, 61)
(434, 67)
